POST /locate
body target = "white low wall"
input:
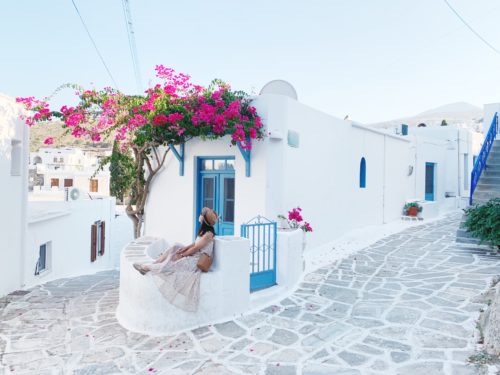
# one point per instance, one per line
(224, 290)
(289, 261)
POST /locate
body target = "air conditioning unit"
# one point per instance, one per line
(74, 194)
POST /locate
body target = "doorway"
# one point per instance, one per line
(216, 190)
(430, 182)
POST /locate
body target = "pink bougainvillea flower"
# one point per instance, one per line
(252, 133)
(307, 227)
(258, 122)
(295, 215)
(175, 117)
(238, 135)
(74, 119)
(48, 140)
(78, 132)
(160, 119)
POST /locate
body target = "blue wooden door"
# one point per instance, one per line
(226, 205)
(216, 190)
(429, 181)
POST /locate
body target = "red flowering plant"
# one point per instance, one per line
(170, 113)
(295, 220)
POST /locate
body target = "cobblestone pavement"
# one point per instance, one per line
(405, 305)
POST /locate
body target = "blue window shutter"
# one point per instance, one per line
(362, 173)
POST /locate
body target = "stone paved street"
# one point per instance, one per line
(405, 305)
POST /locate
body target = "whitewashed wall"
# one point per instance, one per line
(67, 226)
(321, 175)
(13, 189)
(446, 146)
(171, 205)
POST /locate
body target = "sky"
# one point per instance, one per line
(373, 60)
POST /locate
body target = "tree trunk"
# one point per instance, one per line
(140, 188)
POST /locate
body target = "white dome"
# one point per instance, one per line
(279, 87)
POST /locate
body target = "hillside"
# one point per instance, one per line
(39, 132)
(462, 114)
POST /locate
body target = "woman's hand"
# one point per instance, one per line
(182, 249)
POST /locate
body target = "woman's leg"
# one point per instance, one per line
(170, 251)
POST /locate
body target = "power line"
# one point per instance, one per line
(471, 29)
(95, 45)
(131, 42)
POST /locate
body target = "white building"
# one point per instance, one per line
(46, 240)
(14, 149)
(342, 174)
(58, 168)
(69, 238)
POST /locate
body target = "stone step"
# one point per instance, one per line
(493, 187)
(485, 194)
(490, 172)
(474, 241)
(462, 233)
(493, 164)
(493, 181)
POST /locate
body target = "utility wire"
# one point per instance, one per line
(95, 45)
(471, 29)
(131, 42)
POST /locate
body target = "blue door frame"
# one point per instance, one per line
(430, 181)
(216, 189)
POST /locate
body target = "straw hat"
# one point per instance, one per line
(210, 216)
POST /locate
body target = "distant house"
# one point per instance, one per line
(59, 168)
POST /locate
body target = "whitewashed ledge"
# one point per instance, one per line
(224, 290)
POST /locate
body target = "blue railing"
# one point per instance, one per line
(262, 235)
(480, 163)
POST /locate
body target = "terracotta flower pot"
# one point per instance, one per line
(412, 211)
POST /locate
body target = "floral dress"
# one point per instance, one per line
(179, 280)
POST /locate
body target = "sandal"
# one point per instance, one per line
(139, 268)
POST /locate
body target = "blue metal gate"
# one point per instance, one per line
(262, 235)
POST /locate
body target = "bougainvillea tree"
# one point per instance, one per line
(170, 113)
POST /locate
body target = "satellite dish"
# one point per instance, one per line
(74, 194)
(279, 87)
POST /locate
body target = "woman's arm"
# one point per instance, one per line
(204, 241)
(185, 248)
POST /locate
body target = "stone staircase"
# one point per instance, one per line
(487, 188)
(489, 183)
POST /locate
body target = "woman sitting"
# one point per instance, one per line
(176, 272)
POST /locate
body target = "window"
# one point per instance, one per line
(97, 240)
(68, 182)
(94, 186)
(15, 158)
(55, 159)
(54, 182)
(466, 171)
(362, 173)
(42, 263)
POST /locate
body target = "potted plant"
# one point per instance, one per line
(412, 209)
(295, 221)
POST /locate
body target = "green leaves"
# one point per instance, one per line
(484, 221)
